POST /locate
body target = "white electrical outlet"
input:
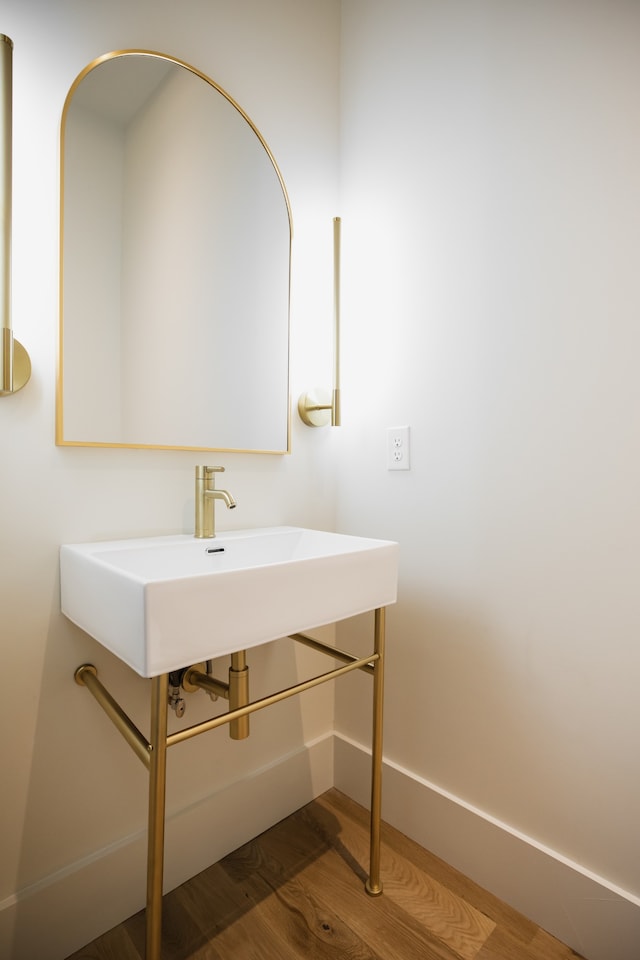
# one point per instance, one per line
(398, 448)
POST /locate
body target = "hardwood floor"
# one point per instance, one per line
(297, 892)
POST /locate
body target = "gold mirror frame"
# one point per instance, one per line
(253, 405)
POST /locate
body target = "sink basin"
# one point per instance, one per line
(161, 603)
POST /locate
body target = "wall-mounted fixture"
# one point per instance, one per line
(318, 407)
(175, 261)
(15, 366)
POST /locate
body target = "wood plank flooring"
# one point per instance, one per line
(296, 893)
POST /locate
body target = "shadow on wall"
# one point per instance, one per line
(477, 768)
(454, 711)
(212, 902)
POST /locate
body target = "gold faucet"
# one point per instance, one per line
(206, 495)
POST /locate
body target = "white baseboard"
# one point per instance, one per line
(61, 913)
(597, 919)
(58, 915)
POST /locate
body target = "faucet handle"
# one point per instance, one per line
(202, 473)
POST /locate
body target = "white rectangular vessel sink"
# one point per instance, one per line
(162, 603)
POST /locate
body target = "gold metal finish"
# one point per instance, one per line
(60, 438)
(15, 365)
(373, 885)
(317, 408)
(238, 694)
(336, 408)
(335, 404)
(195, 679)
(187, 683)
(255, 705)
(331, 651)
(206, 495)
(314, 407)
(236, 691)
(157, 793)
(6, 129)
(87, 676)
(154, 753)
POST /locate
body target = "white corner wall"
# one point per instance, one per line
(491, 205)
(73, 803)
(490, 212)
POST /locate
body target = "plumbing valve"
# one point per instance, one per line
(176, 702)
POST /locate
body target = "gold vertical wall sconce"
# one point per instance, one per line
(318, 408)
(15, 366)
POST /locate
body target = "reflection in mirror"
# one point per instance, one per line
(175, 250)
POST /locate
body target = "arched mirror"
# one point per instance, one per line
(175, 260)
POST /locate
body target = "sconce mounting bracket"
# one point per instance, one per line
(15, 367)
(314, 407)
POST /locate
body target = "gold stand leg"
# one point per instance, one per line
(373, 885)
(157, 791)
(156, 751)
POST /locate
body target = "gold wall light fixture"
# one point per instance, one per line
(318, 408)
(15, 365)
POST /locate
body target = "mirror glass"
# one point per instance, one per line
(175, 259)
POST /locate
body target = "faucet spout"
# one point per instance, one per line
(206, 495)
(222, 495)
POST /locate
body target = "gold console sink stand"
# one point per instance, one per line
(153, 753)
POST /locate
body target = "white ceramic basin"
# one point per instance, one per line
(161, 603)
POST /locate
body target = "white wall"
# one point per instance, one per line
(73, 798)
(491, 204)
(490, 209)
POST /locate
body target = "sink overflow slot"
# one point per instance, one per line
(214, 549)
